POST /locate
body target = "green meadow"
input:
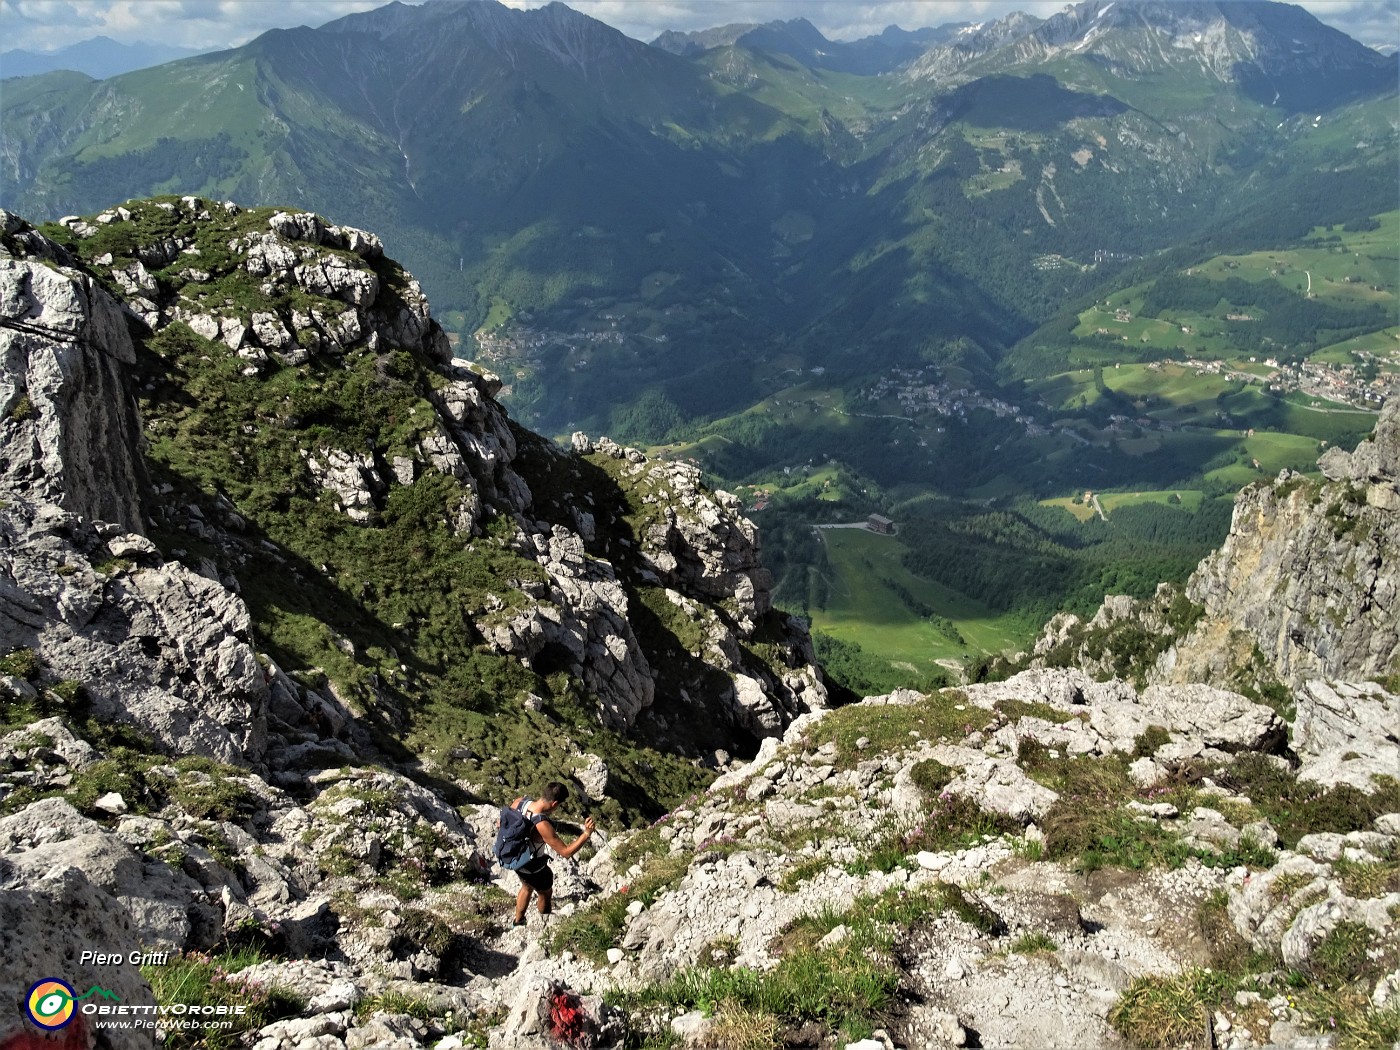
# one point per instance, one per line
(1344, 265)
(1188, 499)
(863, 608)
(1332, 269)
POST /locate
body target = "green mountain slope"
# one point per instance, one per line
(625, 221)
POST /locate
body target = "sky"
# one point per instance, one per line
(46, 25)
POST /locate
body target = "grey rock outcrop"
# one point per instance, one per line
(584, 614)
(68, 428)
(1347, 733)
(1102, 717)
(152, 644)
(50, 913)
(325, 294)
(167, 908)
(1307, 575)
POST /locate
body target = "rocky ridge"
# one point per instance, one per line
(287, 295)
(946, 842)
(1307, 573)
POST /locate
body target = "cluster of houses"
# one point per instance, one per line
(1338, 383)
(919, 392)
(1350, 384)
(514, 342)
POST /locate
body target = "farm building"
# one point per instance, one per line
(880, 523)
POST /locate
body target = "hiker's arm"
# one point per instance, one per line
(552, 840)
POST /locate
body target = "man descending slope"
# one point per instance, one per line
(524, 832)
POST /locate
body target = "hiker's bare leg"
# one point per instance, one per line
(545, 900)
(522, 901)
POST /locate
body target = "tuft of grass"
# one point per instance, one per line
(801, 872)
(953, 822)
(1368, 1026)
(743, 1029)
(1368, 880)
(20, 663)
(1089, 825)
(972, 910)
(1170, 1010)
(1342, 956)
(213, 797)
(1297, 807)
(1229, 952)
(642, 845)
(846, 987)
(22, 409)
(1030, 943)
(939, 716)
(931, 776)
(390, 1002)
(205, 980)
(1149, 740)
(1014, 709)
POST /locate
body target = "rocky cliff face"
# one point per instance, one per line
(1307, 575)
(68, 429)
(1304, 587)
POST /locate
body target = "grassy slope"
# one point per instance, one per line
(864, 609)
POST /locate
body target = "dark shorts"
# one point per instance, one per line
(537, 876)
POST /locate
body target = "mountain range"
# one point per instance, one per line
(99, 58)
(677, 226)
(797, 38)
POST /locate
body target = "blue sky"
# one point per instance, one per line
(42, 25)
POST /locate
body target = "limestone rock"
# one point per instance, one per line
(50, 915)
(593, 777)
(1347, 733)
(161, 647)
(68, 428)
(1112, 716)
(1308, 576)
(165, 907)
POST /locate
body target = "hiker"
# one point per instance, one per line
(533, 864)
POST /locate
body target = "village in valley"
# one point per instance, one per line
(923, 391)
(915, 393)
(521, 343)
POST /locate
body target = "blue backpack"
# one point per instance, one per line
(513, 848)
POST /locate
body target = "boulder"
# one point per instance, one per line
(1346, 733)
(50, 913)
(165, 907)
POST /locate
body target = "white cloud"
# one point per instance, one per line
(49, 24)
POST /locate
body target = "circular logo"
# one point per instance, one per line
(50, 1003)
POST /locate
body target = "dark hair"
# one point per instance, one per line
(555, 792)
